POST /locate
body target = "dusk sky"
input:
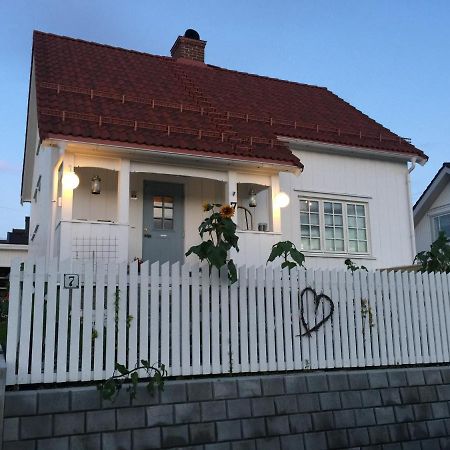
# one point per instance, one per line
(388, 58)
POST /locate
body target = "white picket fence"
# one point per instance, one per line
(196, 323)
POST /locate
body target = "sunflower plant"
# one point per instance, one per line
(218, 232)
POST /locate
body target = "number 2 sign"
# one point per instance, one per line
(71, 281)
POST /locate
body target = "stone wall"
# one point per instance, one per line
(376, 409)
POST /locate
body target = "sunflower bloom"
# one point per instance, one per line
(227, 211)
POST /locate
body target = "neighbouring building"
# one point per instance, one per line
(14, 246)
(432, 210)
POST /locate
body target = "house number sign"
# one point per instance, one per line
(71, 281)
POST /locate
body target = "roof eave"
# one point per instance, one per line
(116, 147)
(352, 150)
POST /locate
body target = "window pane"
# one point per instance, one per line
(352, 233)
(314, 218)
(436, 226)
(168, 202)
(362, 235)
(315, 244)
(328, 219)
(157, 224)
(362, 246)
(361, 222)
(444, 224)
(352, 246)
(351, 210)
(305, 244)
(168, 224)
(305, 230)
(352, 221)
(339, 245)
(360, 210)
(314, 206)
(337, 208)
(338, 220)
(304, 218)
(157, 213)
(329, 244)
(329, 232)
(157, 201)
(327, 207)
(339, 233)
(315, 232)
(303, 205)
(168, 213)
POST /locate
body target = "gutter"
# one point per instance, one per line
(412, 233)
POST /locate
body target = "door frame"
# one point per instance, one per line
(161, 183)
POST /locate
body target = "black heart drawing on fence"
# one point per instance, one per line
(317, 301)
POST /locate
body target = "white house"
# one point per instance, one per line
(432, 210)
(122, 149)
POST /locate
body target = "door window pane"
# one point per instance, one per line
(163, 213)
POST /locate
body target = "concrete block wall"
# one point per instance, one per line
(377, 409)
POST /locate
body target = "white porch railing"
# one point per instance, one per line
(197, 323)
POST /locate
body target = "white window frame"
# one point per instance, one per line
(344, 202)
(441, 212)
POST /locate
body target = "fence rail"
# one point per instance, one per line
(196, 323)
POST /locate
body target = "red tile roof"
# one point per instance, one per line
(96, 92)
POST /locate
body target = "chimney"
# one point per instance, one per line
(189, 47)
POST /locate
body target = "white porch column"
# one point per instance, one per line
(276, 211)
(123, 192)
(67, 194)
(231, 190)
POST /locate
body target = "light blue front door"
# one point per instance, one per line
(163, 228)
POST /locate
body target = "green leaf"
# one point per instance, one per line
(289, 264)
(232, 272)
(277, 250)
(121, 369)
(297, 256)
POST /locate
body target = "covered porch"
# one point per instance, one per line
(117, 209)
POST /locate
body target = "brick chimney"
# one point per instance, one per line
(189, 47)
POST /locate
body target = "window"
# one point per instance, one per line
(357, 232)
(163, 213)
(442, 223)
(333, 226)
(309, 225)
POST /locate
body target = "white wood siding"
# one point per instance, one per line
(380, 184)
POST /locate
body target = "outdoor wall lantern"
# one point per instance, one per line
(281, 200)
(252, 199)
(133, 195)
(96, 185)
(70, 180)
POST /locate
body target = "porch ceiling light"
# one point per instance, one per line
(281, 200)
(70, 180)
(96, 185)
(252, 199)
